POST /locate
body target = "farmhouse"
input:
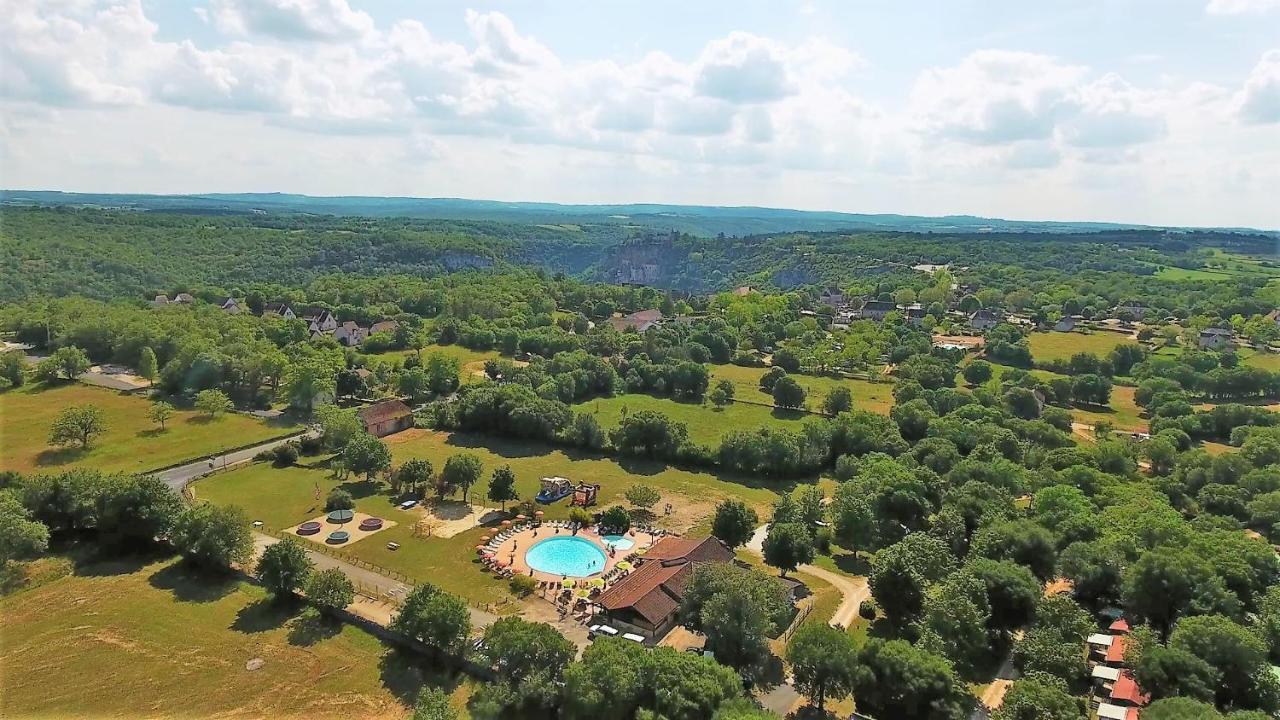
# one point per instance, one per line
(385, 326)
(1215, 338)
(351, 334)
(647, 602)
(1136, 308)
(640, 321)
(1067, 323)
(278, 308)
(231, 306)
(183, 298)
(832, 296)
(984, 319)
(876, 309)
(386, 417)
(321, 321)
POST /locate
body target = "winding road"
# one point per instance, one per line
(854, 589)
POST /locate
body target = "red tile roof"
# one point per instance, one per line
(696, 549)
(1120, 626)
(1115, 653)
(383, 411)
(1126, 689)
(655, 588)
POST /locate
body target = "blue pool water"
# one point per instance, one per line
(567, 555)
(619, 542)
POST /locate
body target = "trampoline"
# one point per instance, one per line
(371, 524)
(309, 528)
(340, 516)
(337, 537)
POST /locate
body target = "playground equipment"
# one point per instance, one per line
(554, 489)
(309, 528)
(585, 494)
(340, 516)
(337, 537)
(370, 524)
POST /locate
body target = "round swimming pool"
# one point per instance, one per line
(566, 555)
(619, 542)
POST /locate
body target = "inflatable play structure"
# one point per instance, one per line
(585, 495)
(553, 490)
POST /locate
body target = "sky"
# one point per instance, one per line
(1164, 112)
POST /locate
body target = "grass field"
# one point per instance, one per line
(146, 638)
(1047, 346)
(284, 497)
(707, 424)
(472, 361)
(131, 442)
(1264, 360)
(1124, 413)
(876, 397)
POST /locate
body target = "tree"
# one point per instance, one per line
(284, 568)
(20, 536)
(688, 687)
(1012, 590)
(502, 486)
(433, 704)
(1232, 650)
(309, 382)
(462, 471)
(147, 366)
(1180, 708)
(330, 590)
(977, 372)
(13, 367)
(956, 616)
(1021, 541)
(787, 393)
(435, 618)
(529, 658)
(898, 680)
(338, 425)
(1166, 583)
(650, 434)
(642, 496)
(366, 454)
(136, 509)
(339, 499)
(824, 662)
(213, 535)
(734, 522)
(839, 400)
(77, 424)
(609, 681)
(160, 413)
(1168, 672)
(616, 519)
(213, 402)
(742, 709)
(771, 377)
(71, 361)
(722, 394)
(787, 546)
(1040, 697)
(415, 474)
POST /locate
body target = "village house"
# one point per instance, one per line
(1136, 308)
(350, 333)
(876, 309)
(183, 298)
(278, 308)
(983, 320)
(831, 296)
(1216, 338)
(160, 300)
(742, 291)
(384, 326)
(914, 313)
(647, 602)
(386, 417)
(321, 322)
(640, 321)
(231, 306)
(1067, 323)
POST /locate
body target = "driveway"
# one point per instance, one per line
(854, 589)
(181, 476)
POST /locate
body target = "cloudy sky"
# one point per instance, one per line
(1157, 111)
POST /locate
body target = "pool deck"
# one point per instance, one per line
(512, 551)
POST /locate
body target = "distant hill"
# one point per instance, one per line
(704, 221)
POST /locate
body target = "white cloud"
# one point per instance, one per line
(290, 19)
(1240, 7)
(1258, 102)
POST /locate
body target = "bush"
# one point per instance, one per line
(310, 445)
(580, 516)
(339, 500)
(616, 518)
(822, 541)
(867, 609)
(523, 585)
(285, 455)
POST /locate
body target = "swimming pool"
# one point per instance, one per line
(567, 555)
(619, 542)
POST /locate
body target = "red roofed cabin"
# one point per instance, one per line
(647, 602)
(386, 417)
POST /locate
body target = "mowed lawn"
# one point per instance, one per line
(1264, 360)
(131, 443)
(1047, 346)
(471, 361)
(876, 397)
(282, 498)
(707, 423)
(133, 638)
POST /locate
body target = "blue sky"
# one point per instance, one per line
(1162, 112)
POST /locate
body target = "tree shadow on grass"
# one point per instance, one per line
(500, 446)
(61, 455)
(852, 564)
(768, 673)
(311, 627)
(191, 584)
(96, 561)
(404, 674)
(361, 488)
(153, 432)
(779, 413)
(263, 615)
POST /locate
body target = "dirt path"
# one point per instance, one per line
(853, 589)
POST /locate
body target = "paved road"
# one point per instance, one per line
(854, 589)
(181, 476)
(369, 579)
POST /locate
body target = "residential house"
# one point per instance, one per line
(1136, 308)
(876, 309)
(278, 308)
(742, 291)
(1067, 323)
(231, 306)
(832, 296)
(984, 320)
(320, 321)
(914, 313)
(386, 417)
(640, 321)
(1216, 338)
(1107, 711)
(385, 326)
(183, 298)
(647, 601)
(1274, 316)
(160, 301)
(350, 334)
(1126, 693)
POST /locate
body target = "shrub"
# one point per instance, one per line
(285, 455)
(523, 585)
(339, 500)
(310, 445)
(867, 609)
(822, 540)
